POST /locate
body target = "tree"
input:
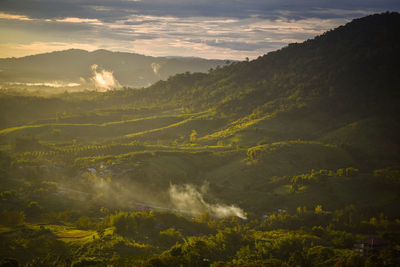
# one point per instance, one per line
(33, 210)
(12, 218)
(170, 237)
(318, 209)
(193, 136)
(25, 143)
(319, 254)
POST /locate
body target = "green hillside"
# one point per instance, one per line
(270, 162)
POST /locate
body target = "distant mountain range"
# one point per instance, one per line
(72, 67)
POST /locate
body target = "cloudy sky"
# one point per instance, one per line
(223, 29)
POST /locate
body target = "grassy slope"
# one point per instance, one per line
(279, 98)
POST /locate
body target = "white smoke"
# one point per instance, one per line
(156, 67)
(188, 198)
(102, 79)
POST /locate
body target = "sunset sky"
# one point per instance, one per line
(224, 29)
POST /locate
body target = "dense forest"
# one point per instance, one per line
(291, 159)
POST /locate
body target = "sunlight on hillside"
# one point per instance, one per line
(118, 159)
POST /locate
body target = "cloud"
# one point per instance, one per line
(113, 10)
(189, 199)
(224, 29)
(80, 20)
(13, 17)
(219, 37)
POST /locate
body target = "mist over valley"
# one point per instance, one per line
(288, 159)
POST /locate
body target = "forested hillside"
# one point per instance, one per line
(291, 159)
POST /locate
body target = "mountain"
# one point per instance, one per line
(75, 66)
(356, 60)
(286, 160)
(332, 88)
(341, 87)
(327, 103)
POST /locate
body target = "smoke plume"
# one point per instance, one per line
(188, 198)
(156, 67)
(102, 79)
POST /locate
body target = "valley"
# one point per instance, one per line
(289, 159)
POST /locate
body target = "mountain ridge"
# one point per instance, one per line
(317, 90)
(70, 66)
(323, 83)
(287, 160)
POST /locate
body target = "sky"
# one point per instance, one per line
(219, 29)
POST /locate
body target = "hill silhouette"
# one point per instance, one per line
(69, 66)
